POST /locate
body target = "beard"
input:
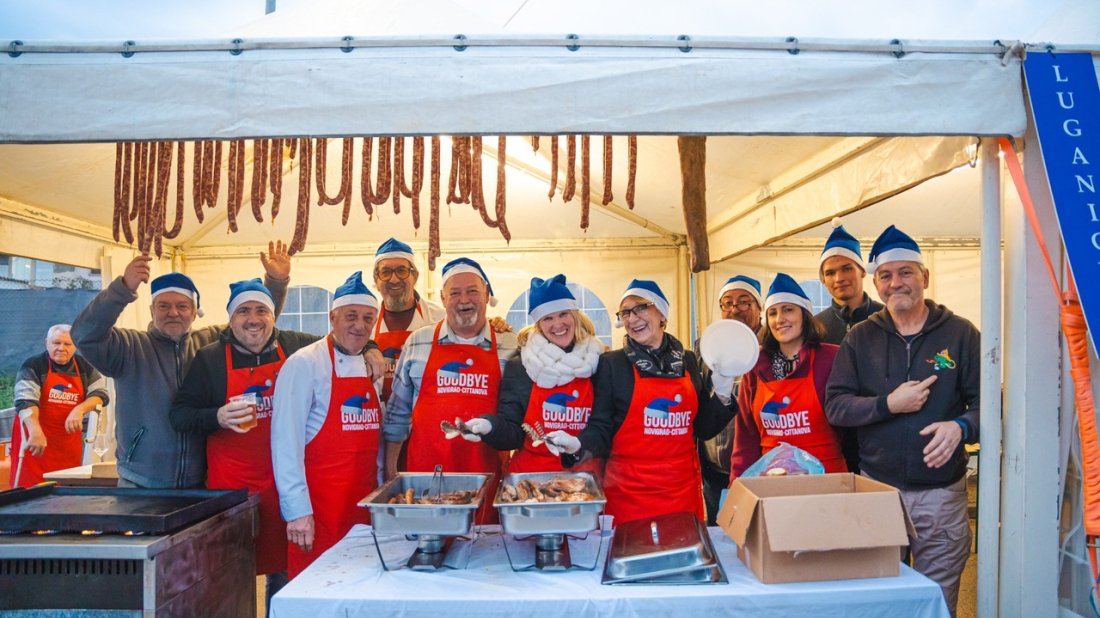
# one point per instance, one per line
(466, 319)
(399, 302)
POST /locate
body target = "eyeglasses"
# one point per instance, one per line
(744, 305)
(636, 310)
(402, 272)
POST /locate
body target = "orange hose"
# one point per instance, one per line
(1076, 332)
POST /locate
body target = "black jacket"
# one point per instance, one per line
(874, 360)
(195, 406)
(839, 319)
(515, 394)
(613, 387)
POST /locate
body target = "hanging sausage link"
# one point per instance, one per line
(570, 170)
(553, 167)
(632, 147)
(607, 160)
(586, 188)
(433, 214)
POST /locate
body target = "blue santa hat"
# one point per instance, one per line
(353, 292)
(643, 288)
(178, 283)
(893, 245)
(548, 296)
(466, 265)
(843, 244)
(786, 290)
(393, 248)
(741, 282)
(242, 292)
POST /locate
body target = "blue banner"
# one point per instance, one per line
(1065, 102)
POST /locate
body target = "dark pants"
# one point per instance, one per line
(275, 583)
(714, 481)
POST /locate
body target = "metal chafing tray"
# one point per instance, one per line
(435, 519)
(522, 518)
(434, 526)
(668, 549)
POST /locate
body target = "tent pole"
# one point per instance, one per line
(989, 458)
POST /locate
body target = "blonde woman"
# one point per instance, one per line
(549, 383)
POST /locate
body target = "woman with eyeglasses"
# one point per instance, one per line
(650, 403)
(549, 383)
(784, 395)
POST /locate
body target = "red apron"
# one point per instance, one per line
(60, 394)
(459, 380)
(390, 343)
(562, 408)
(789, 410)
(654, 466)
(235, 460)
(341, 465)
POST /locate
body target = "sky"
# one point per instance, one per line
(67, 20)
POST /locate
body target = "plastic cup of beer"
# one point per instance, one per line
(250, 399)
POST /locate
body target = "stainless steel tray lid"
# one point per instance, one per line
(655, 549)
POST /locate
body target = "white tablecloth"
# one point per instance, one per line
(348, 580)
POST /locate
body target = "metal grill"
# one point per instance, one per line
(70, 583)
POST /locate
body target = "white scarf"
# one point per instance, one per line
(550, 366)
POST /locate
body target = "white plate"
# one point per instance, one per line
(731, 346)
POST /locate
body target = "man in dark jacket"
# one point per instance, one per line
(908, 380)
(842, 272)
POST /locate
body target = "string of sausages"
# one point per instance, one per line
(143, 173)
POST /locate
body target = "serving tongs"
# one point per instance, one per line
(537, 434)
(458, 428)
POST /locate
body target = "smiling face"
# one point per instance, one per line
(901, 285)
(843, 277)
(352, 326)
(465, 297)
(741, 306)
(60, 347)
(785, 323)
(645, 329)
(252, 324)
(173, 314)
(397, 293)
(559, 328)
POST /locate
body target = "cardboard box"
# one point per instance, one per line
(816, 527)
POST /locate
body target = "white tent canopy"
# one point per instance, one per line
(851, 125)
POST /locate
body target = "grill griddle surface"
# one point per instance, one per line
(72, 509)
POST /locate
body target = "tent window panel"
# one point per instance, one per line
(818, 293)
(289, 322)
(315, 323)
(306, 310)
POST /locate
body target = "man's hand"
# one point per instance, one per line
(276, 261)
(233, 414)
(945, 438)
(74, 422)
(137, 272)
(36, 441)
(499, 324)
(376, 363)
(300, 532)
(909, 397)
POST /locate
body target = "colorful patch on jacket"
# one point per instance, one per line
(941, 360)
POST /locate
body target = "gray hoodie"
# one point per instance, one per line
(148, 367)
